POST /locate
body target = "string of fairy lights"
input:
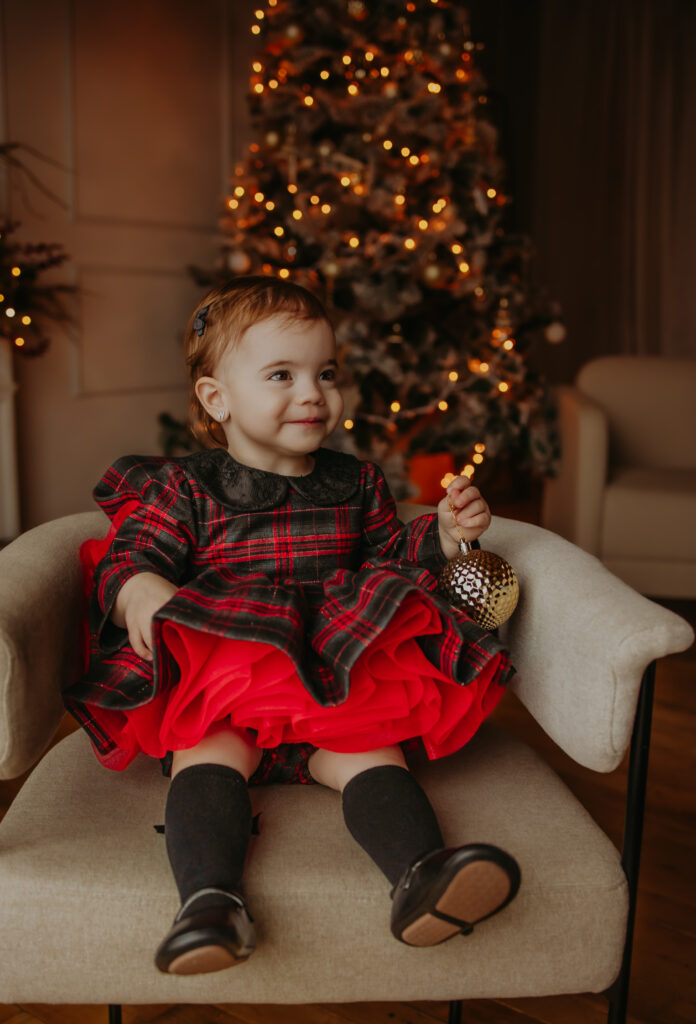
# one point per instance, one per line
(27, 301)
(14, 321)
(306, 212)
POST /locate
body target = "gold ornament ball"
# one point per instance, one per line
(273, 138)
(482, 584)
(331, 268)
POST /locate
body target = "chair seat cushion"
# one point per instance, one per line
(87, 894)
(650, 514)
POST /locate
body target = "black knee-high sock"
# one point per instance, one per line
(388, 813)
(207, 829)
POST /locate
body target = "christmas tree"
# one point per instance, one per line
(373, 179)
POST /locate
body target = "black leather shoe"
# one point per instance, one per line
(448, 891)
(210, 939)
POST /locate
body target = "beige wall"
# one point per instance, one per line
(141, 103)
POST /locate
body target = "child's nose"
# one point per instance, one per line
(310, 391)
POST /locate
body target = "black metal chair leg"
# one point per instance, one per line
(115, 1015)
(455, 1012)
(633, 836)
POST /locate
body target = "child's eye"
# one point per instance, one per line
(280, 375)
(329, 374)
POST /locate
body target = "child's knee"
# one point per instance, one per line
(335, 770)
(222, 744)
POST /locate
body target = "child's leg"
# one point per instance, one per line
(384, 807)
(437, 892)
(222, 744)
(207, 831)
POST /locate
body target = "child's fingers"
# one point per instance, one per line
(481, 519)
(138, 643)
(472, 512)
(458, 485)
(462, 498)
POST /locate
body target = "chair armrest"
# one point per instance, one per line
(572, 503)
(580, 639)
(40, 606)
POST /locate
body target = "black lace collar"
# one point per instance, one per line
(333, 479)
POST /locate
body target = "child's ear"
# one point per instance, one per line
(208, 394)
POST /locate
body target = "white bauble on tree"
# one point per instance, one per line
(432, 273)
(238, 261)
(555, 332)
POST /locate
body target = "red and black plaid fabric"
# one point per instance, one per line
(314, 565)
(288, 764)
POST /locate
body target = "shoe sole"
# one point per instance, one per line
(204, 960)
(478, 890)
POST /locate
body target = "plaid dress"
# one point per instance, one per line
(316, 567)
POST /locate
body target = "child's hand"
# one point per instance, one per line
(138, 600)
(472, 513)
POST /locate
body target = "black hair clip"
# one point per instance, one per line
(199, 324)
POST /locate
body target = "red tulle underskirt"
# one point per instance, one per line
(396, 694)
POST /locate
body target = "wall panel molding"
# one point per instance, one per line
(134, 344)
(139, 107)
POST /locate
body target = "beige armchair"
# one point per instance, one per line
(627, 485)
(84, 883)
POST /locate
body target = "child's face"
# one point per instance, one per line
(277, 388)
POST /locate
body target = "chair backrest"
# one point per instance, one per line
(650, 404)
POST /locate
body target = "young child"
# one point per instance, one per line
(257, 613)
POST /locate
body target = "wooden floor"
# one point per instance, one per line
(663, 988)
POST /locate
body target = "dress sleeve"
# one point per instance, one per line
(149, 500)
(386, 540)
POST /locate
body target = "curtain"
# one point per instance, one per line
(615, 169)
